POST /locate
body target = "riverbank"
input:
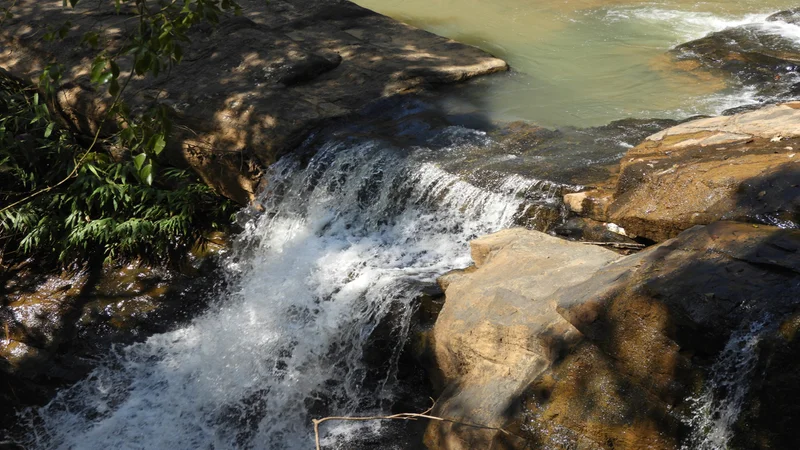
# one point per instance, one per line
(558, 343)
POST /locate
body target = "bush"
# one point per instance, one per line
(61, 201)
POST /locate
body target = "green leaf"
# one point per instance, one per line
(159, 145)
(146, 174)
(113, 87)
(114, 68)
(105, 77)
(138, 160)
(49, 130)
(142, 63)
(98, 65)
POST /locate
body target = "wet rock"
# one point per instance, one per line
(588, 230)
(253, 88)
(570, 156)
(55, 327)
(632, 341)
(497, 332)
(791, 16)
(743, 167)
(771, 408)
(757, 55)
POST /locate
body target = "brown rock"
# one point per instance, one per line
(748, 55)
(497, 331)
(251, 89)
(647, 329)
(742, 167)
(53, 327)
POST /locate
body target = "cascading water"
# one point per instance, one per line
(717, 408)
(343, 245)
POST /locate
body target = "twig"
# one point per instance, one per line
(625, 245)
(8, 10)
(401, 416)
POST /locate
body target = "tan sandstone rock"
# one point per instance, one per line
(497, 331)
(743, 167)
(647, 328)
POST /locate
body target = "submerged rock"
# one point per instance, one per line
(759, 56)
(601, 352)
(791, 16)
(251, 89)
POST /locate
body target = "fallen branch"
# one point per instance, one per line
(623, 245)
(401, 416)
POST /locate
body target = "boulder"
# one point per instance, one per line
(612, 356)
(743, 167)
(497, 331)
(760, 56)
(791, 16)
(252, 88)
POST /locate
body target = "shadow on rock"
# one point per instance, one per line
(252, 88)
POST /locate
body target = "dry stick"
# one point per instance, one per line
(401, 416)
(616, 244)
(8, 10)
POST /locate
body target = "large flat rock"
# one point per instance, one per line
(567, 346)
(498, 330)
(251, 89)
(744, 167)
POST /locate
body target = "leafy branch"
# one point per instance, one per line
(117, 197)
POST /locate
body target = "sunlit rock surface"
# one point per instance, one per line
(568, 349)
(744, 167)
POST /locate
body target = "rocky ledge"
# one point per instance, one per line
(251, 89)
(556, 344)
(743, 167)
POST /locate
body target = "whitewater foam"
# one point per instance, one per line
(342, 248)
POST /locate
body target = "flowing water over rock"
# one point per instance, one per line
(717, 408)
(342, 245)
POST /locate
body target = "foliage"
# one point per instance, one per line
(117, 197)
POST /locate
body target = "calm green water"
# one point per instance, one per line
(585, 62)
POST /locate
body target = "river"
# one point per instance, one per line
(586, 62)
(344, 244)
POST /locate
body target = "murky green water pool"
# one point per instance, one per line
(585, 62)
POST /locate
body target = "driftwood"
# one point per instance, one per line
(620, 245)
(401, 416)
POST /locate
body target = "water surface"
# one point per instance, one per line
(586, 62)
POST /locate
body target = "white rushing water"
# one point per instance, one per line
(342, 246)
(717, 408)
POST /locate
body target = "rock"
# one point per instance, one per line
(754, 55)
(771, 406)
(633, 340)
(791, 16)
(593, 203)
(588, 230)
(54, 327)
(251, 89)
(742, 167)
(497, 332)
(663, 315)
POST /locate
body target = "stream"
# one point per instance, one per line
(345, 242)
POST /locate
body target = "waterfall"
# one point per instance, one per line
(717, 408)
(343, 246)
